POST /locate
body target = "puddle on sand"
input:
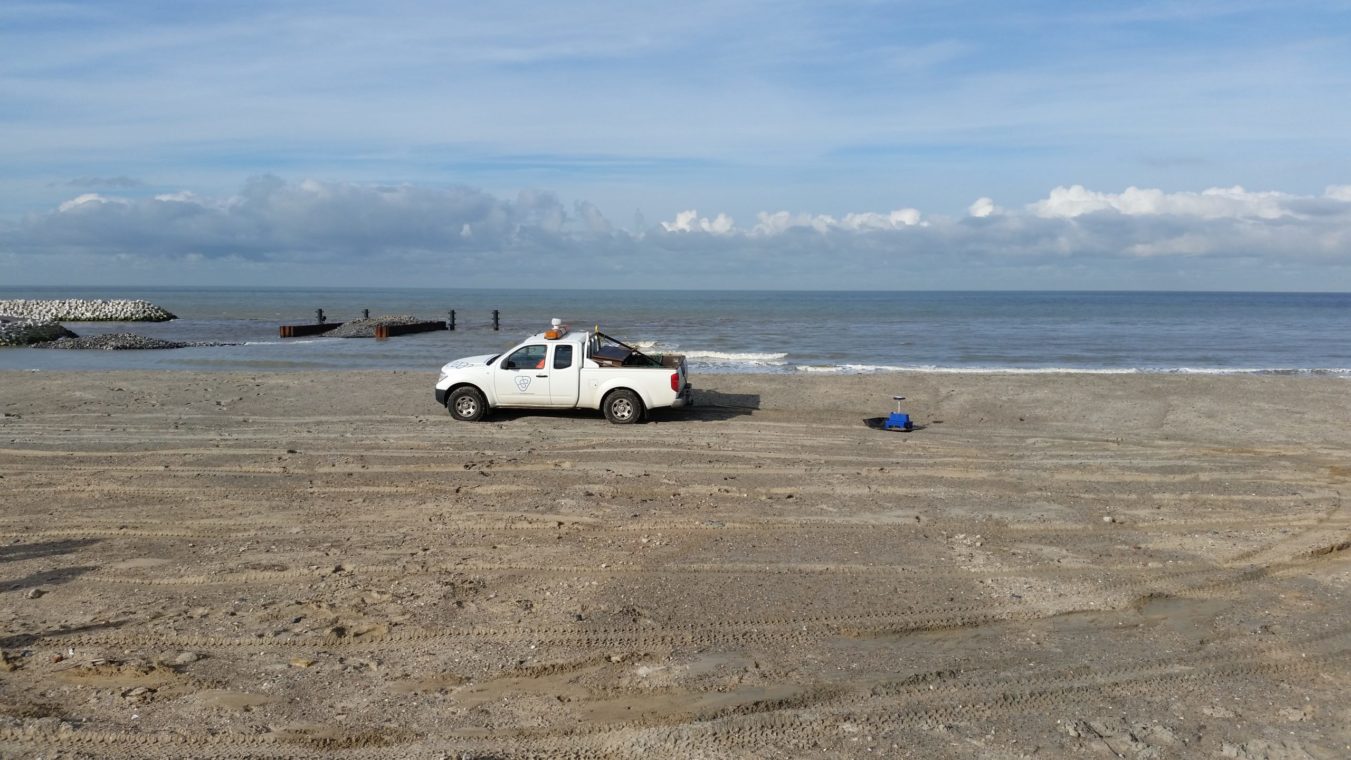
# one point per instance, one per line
(118, 674)
(664, 699)
(706, 663)
(559, 685)
(1181, 614)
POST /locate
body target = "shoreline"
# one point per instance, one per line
(757, 332)
(278, 366)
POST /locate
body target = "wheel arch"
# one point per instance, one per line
(485, 392)
(470, 384)
(619, 385)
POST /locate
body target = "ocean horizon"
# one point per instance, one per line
(779, 331)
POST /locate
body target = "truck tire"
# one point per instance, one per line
(623, 407)
(467, 404)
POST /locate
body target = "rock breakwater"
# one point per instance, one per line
(86, 310)
(22, 332)
(365, 328)
(120, 342)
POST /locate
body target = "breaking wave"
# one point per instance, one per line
(731, 357)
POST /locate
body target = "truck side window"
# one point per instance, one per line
(562, 357)
(526, 357)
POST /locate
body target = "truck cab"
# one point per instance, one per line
(560, 368)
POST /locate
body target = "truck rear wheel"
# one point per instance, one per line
(467, 404)
(623, 407)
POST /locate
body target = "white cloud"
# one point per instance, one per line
(273, 218)
(85, 201)
(1214, 203)
(1073, 231)
(895, 220)
(690, 221)
(983, 207)
(779, 222)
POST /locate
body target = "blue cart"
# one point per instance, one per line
(898, 420)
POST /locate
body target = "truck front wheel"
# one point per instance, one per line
(467, 404)
(623, 407)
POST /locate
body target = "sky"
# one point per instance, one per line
(731, 144)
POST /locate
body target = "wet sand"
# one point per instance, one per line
(327, 565)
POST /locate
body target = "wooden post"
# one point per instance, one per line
(319, 315)
(495, 320)
(450, 323)
(365, 313)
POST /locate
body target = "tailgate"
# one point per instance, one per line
(684, 394)
(677, 363)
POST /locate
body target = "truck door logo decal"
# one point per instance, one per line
(522, 382)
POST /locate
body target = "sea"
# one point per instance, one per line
(786, 332)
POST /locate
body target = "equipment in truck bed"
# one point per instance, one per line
(612, 352)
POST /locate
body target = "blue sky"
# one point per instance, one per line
(818, 144)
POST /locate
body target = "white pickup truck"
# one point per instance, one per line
(559, 369)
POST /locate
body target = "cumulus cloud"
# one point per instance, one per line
(1074, 229)
(867, 220)
(779, 222)
(983, 207)
(895, 220)
(1338, 192)
(273, 218)
(690, 221)
(591, 216)
(1215, 203)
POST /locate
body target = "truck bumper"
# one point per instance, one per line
(441, 394)
(684, 398)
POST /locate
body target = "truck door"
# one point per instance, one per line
(522, 379)
(565, 374)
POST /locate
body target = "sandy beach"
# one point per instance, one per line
(327, 565)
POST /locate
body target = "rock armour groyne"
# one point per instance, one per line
(85, 310)
(22, 332)
(121, 342)
(365, 328)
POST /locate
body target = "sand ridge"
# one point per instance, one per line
(325, 564)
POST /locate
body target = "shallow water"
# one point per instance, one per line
(730, 331)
